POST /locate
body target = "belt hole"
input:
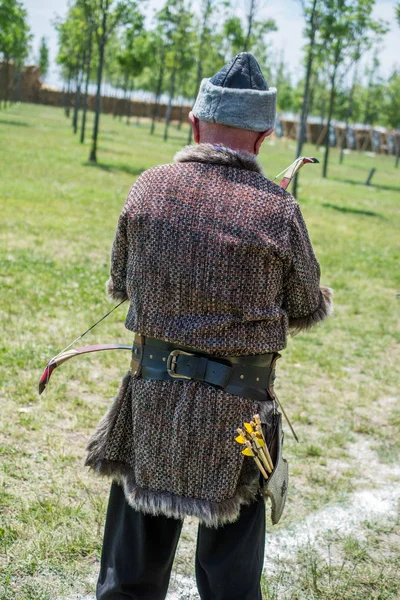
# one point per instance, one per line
(164, 359)
(257, 379)
(242, 377)
(151, 356)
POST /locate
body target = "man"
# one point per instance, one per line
(217, 264)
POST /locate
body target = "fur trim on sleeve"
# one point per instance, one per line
(323, 311)
(113, 293)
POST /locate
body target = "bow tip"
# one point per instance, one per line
(42, 387)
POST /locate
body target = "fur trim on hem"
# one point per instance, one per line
(219, 155)
(153, 502)
(114, 294)
(98, 441)
(323, 311)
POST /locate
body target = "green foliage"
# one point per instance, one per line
(44, 60)
(392, 100)
(72, 40)
(286, 95)
(133, 48)
(15, 35)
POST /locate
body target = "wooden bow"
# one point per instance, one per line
(294, 168)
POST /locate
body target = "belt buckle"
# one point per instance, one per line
(171, 363)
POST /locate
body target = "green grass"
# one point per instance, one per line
(338, 383)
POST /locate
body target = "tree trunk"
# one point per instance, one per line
(398, 152)
(158, 94)
(124, 111)
(169, 108)
(129, 108)
(93, 152)
(305, 107)
(250, 24)
(330, 113)
(321, 119)
(349, 112)
(7, 82)
(68, 97)
(19, 91)
(78, 96)
(179, 127)
(85, 98)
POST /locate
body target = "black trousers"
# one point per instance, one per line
(138, 552)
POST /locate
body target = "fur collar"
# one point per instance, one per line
(219, 155)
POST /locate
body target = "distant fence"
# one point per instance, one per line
(355, 137)
(26, 86)
(112, 105)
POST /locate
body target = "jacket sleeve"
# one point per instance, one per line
(304, 301)
(116, 285)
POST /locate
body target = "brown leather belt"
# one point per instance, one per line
(248, 376)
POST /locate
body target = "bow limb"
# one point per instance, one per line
(294, 168)
(64, 356)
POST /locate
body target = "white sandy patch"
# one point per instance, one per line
(182, 588)
(343, 519)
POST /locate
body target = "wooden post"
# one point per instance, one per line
(371, 173)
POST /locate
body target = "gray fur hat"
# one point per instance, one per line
(237, 95)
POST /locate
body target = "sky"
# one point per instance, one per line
(288, 39)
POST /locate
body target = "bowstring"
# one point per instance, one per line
(90, 329)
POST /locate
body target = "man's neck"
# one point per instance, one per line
(232, 144)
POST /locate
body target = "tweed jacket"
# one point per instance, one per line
(211, 255)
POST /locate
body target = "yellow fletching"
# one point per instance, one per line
(248, 427)
(240, 439)
(247, 452)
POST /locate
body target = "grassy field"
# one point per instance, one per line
(339, 383)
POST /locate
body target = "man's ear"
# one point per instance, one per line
(195, 127)
(260, 140)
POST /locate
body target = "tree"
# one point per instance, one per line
(207, 6)
(394, 82)
(44, 60)
(177, 23)
(373, 93)
(72, 42)
(310, 11)
(156, 69)
(253, 26)
(15, 38)
(283, 82)
(132, 54)
(346, 30)
(108, 15)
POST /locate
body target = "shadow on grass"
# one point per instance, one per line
(390, 188)
(181, 138)
(353, 211)
(16, 123)
(112, 168)
(112, 151)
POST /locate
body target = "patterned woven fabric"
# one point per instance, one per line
(188, 443)
(215, 257)
(211, 255)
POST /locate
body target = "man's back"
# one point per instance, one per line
(206, 252)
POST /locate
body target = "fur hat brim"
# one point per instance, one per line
(245, 109)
